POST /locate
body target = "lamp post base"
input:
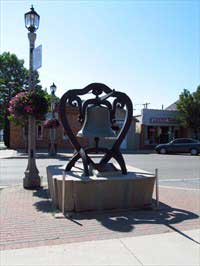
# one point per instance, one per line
(52, 149)
(31, 180)
(31, 183)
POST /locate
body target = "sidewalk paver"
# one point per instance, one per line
(168, 249)
(27, 219)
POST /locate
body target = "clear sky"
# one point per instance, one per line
(148, 49)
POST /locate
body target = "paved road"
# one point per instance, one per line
(179, 170)
(184, 169)
(169, 166)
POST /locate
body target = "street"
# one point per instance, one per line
(174, 170)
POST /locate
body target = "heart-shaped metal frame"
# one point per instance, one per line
(73, 98)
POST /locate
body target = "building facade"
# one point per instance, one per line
(159, 126)
(18, 135)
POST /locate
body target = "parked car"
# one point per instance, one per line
(182, 145)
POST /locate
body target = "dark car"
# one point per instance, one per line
(182, 145)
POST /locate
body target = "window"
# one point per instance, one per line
(184, 141)
(152, 135)
(25, 132)
(191, 141)
(178, 141)
(65, 136)
(39, 132)
(1, 135)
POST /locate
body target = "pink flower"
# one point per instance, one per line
(10, 109)
(28, 109)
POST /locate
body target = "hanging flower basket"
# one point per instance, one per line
(28, 103)
(51, 123)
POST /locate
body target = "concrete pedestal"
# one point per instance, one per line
(82, 193)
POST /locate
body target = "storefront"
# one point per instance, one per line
(159, 126)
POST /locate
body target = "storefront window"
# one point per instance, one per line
(151, 135)
(160, 134)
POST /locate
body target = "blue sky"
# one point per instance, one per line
(147, 49)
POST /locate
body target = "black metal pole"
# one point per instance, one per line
(32, 178)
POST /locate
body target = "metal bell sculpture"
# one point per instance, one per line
(97, 123)
(97, 116)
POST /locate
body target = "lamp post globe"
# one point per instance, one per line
(32, 179)
(53, 88)
(32, 20)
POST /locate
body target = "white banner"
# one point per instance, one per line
(37, 57)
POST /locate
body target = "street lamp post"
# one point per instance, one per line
(32, 178)
(52, 150)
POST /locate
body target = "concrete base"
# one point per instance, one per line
(82, 193)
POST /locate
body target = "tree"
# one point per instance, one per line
(189, 110)
(13, 79)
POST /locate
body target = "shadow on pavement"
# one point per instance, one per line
(41, 193)
(44, 205)
(40, 156)
(123, 220)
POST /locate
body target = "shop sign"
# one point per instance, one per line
(163, 120)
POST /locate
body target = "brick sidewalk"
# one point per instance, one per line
(28, 219)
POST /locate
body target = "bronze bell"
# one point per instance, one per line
(96, 123)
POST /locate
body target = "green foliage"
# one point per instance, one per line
(189, 109)
(13, 79)
(50, 98)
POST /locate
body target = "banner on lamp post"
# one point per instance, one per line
(37, 57)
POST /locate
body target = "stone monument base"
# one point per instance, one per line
(98, 193)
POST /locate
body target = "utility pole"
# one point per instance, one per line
(145, 105)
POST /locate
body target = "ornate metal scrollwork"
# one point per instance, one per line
(121, 100)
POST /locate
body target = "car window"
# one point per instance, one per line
(178, 141)
(183, 141)
(191, 141)
(186, 141)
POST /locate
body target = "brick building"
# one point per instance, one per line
(18, 136)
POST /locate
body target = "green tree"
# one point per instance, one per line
(189, 110)
(13, 79)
